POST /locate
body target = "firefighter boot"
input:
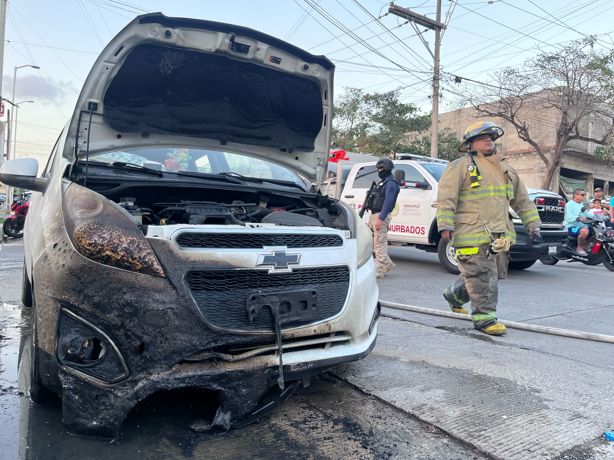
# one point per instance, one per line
(494, 329)
(449, 296)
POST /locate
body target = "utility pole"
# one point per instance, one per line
(437, 26)
(2, 30)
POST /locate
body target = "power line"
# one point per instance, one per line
(386, 29)
(355, 37)
(558, 21)
(25, 21)
(14, 42)
(490, 54)
(89, 21)
(504, 25)
(498, 39)
(297, 24)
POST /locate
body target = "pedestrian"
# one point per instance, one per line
(381, 202)
(475, 193)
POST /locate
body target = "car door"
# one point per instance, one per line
(357, 186)
(411, 215)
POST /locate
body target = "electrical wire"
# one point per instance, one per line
(486, 53)
(14, 42)
(297, 25)
(356, 38)
(386, 29)
(90, 22)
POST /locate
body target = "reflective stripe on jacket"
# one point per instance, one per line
(467, 210)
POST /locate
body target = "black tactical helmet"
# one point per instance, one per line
(385, 163)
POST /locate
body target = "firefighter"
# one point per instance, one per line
(475, 193)
(381, 201)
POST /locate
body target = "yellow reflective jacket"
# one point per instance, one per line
(469, 210)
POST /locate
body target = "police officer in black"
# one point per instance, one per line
(381, 202)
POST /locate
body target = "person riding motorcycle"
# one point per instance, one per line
(475, 193)
(574, 221)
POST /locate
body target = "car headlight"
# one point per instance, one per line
(105, 233)
(362, 233)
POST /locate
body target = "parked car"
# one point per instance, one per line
(414, 220)
(172, 241)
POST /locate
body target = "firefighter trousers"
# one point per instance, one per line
(383, 263)
(478, 283)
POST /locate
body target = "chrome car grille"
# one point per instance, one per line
(256, 240)
(221, 295)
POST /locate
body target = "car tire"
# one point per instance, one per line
(445, 252)
(39, 393)
(26, 288)
(549, 260)
(521, 265)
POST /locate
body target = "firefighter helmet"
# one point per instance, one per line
(480, 128)
(385, 163)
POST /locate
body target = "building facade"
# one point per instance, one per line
(579, 167)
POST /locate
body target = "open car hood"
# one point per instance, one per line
(175, 81)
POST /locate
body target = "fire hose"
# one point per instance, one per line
(511, 324)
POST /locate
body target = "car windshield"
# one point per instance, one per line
(192, 160)
(436, 169)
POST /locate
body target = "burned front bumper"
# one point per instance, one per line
(117, 336)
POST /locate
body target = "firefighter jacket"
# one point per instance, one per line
(475, 213)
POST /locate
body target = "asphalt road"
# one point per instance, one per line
(432, 388)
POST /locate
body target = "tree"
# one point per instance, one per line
(575, 83)
(447, 147)
(375, 122)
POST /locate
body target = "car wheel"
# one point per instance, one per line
(26, 288)
(447, 256)
(548, 260)
(39, 393)
(521, 265)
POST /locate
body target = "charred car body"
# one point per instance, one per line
(174, 239)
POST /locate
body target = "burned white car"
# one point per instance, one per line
(175, 238)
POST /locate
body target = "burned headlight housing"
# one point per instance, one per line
(85, 348)
(106, 233)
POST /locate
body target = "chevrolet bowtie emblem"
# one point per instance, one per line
(278, 261)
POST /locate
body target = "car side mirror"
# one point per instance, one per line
(21, 173)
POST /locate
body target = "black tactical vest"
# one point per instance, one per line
(377, 195)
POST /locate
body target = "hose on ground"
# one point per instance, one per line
(511, 324)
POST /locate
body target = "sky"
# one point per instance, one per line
(372, 50)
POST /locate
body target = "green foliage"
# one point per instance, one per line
(448, 144)
(604, 153)
(376, 123)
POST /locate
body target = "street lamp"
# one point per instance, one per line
(9, 195)
(17, 105)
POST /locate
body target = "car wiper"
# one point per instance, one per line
(287, 183)
(225, 177)
(123, 164)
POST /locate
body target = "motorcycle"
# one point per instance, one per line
(600, 246)
(13, 224)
